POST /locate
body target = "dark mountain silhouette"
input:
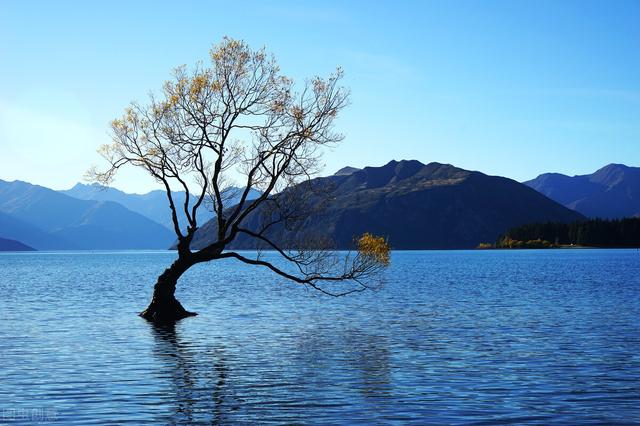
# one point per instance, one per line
(611, 192)
(153, 205)
(13, 245)
(76, 224)
(416, 206)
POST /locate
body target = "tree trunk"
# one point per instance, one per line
(164, 306)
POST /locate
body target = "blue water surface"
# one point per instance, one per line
(453, 337)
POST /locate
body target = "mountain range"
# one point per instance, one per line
(153, 205)
(87, 217)
(46, 219)
(416, 206)
(611, 192)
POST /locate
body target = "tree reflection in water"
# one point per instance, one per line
(353, 360)
(199, 381)
(314, 376)
(371, 357)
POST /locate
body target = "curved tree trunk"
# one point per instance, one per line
(164, 306)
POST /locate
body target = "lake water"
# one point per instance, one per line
(454, 337)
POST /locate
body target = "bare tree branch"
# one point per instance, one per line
(239, 116)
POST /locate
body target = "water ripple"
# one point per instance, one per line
(537, 337)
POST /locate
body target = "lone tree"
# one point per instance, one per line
(239, 116)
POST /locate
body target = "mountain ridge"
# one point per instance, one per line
(417, 206)
(612, 192)
(70, 223)
(153, 204)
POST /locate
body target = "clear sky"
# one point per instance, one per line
(513, 88)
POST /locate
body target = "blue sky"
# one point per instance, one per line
(512, 88)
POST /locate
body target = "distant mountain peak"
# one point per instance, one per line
(403, 173)
(612, 191)
(611, 166)
(88, 186)
(345, 171)
(611, 170)
(393, 164)
(403, 161)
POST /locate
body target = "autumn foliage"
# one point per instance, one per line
(374, 248)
